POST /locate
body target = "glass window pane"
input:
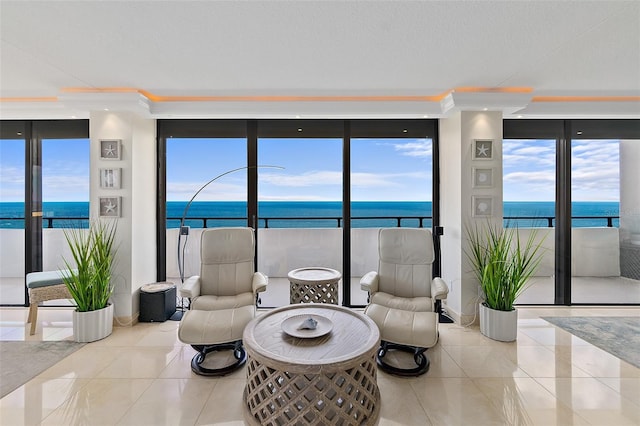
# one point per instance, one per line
(65, 198)
(529, 179)
(529, 176)
(299, 210)
(391, 185)
(598, 249)
(194, 166)
(12, 187)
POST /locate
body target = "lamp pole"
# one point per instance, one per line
(184, 230)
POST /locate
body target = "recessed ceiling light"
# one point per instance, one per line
(106, 109)
(297, 116)
(485, 109)
(299, 129)
(425, 116)
(73, 116)
(519, 116)
(579, 132)
(405, 131)
(19, 133)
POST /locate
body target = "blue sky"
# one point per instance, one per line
(390, 169)
(386, 169)
(529, 170)
(65, 171)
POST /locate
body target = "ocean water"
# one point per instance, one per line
(317, 214)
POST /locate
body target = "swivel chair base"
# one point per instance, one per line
(419, 357)
(238, 352)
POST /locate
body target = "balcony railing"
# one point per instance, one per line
(399, 221)
(317, 221)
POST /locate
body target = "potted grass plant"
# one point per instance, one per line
(503, 265)
(88, 278)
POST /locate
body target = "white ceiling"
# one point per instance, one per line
(251, 59)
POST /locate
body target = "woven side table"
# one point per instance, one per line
(326, 380)
(314, 285)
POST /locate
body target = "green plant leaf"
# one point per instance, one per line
(88, 275)
(501, 263)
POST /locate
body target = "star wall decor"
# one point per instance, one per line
(483, 149)
(110, 206)
(110, 149)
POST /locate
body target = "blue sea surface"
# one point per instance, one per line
(303, 214)
(317, 214)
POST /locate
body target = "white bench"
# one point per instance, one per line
(44, 286)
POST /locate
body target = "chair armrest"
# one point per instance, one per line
(369, 282)
(439, 288)
(191, 287)
(259, 282)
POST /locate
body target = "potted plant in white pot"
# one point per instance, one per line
(503, 264)
(88, 278)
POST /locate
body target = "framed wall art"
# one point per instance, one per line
(483, 149)
(110, 149)
(110, 178)
(482, 177)
(482, 206)
(110, 206)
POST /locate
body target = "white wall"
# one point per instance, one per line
(136, 257)
(451, 208)
(457, 135)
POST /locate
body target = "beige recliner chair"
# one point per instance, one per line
(404, 298)
(222, 298)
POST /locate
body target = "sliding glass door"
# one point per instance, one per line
(529, 188)
(391, 186)
(306, 190)
(12, 229)
(591, 234)
(206, 187)
(299, 205)
(602, 256)
(45, 188)
(65, 198)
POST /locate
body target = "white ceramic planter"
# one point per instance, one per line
(498, 325)
(93, 325)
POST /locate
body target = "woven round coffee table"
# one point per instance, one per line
(322, 376)
(314, 285)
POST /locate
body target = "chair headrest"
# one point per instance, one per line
(405, 246)
(227, 245)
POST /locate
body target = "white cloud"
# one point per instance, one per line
(60, 182)
(312, 178)
(8, 195)
(359, 179)
(421, 149)
(219, 191)
(12, 176)
(11, 184)
(282, 186)
(65, 188)
(518, 154)
(534, 177)
(530, 169)
(371, 180)
(595, 174)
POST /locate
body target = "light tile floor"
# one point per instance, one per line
(141, 376)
